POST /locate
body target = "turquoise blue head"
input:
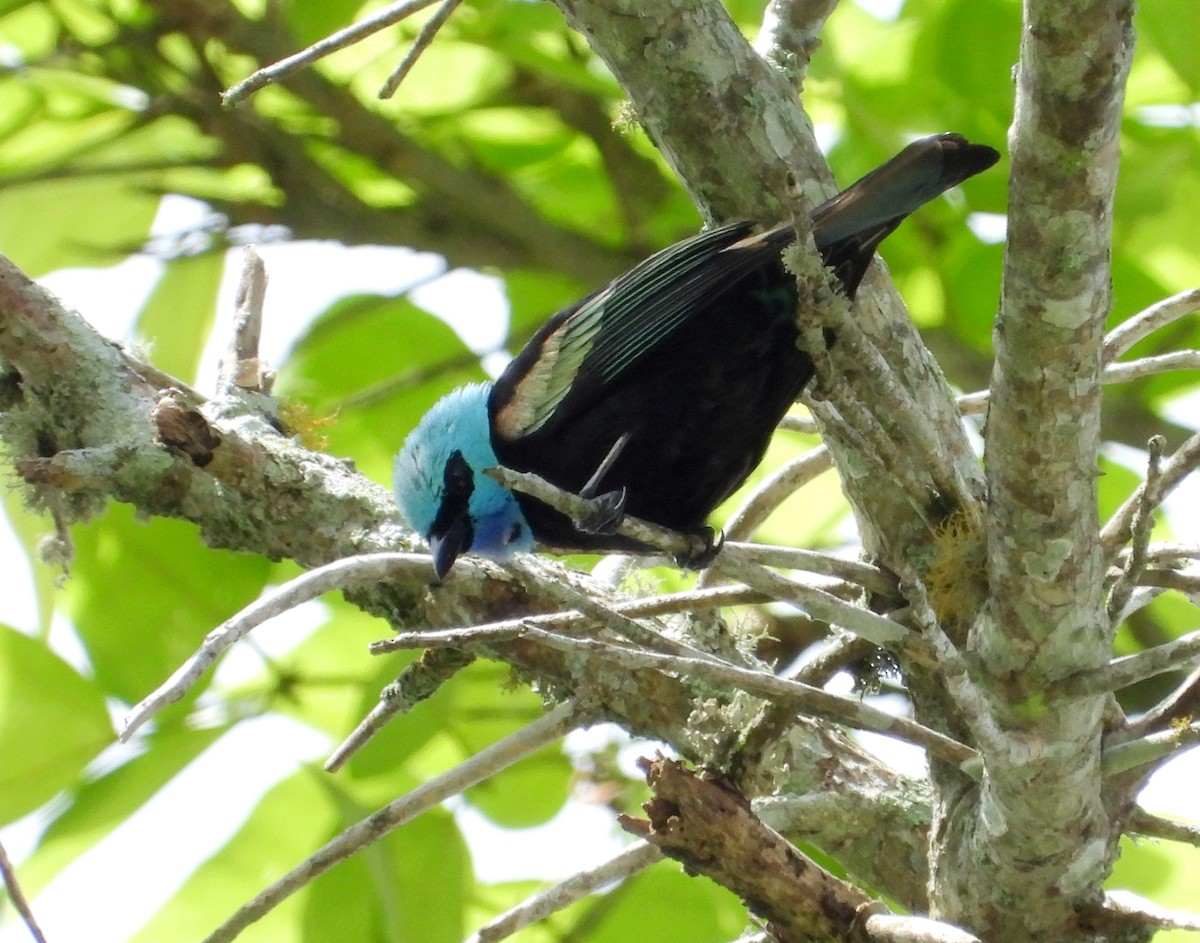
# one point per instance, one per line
(442, 491)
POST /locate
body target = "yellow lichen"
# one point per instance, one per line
(298, 420)
(957, 577)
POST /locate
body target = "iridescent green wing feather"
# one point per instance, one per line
(613, 328)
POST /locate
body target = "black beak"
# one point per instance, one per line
(450, 543)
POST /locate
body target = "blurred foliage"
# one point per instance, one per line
(506, 150)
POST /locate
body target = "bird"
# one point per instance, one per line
(661, 389)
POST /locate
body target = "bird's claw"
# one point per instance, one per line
(707, 544)
(606, 513)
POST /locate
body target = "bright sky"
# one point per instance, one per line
(200, 809)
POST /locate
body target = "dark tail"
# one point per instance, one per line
(848, 227)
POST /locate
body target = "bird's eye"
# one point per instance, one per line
(514, 533)
(458, 481)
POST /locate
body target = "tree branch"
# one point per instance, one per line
(262, 493)
(704, 822)
(484, 764)
(636, 857)
(342, 39)
(1045, 568)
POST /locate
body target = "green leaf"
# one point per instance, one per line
(508, 138)
(312, 21)
(417, 880)
(107, 216)
(425, 895)
(971, 299)
(375, 399)
(289, 822)
(662, 904)
(536, 37)
(101, 805)
(29, 529)
(478, 74)
(52, 724)
(1116, 484)
(337, 681)
(533, 297)
(1161, 25)
(179, 314)
(145, 593)
(532, 791)
(1164, 872)
(991, 30)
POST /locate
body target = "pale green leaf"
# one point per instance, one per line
(53, 722)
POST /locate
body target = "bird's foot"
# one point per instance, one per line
(706, 544)
(607, 512)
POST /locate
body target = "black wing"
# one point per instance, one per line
(585, 348)
(605, 334)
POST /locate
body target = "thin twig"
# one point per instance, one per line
(1186, 583)
(861, 429)
(1129, 370)
(908, 928)
(976, 404)
(390, 704)
(805, 425)
(1152, 748)
(775, 490)
(635, 858)
(1166, 552)
(510, 628)
(1179, 654)
(811, 700)
(971, 701)
(17, 896)
(1146, 322)
(1127, 904)
(571, 596)
(378, 717)
(340, 574)
(817, 603)
(1141, 822)
(812, 561)
(241, 367)
(484, 764)
(662, 539)
(763, 500)
(821, 605)
(1182, 702)
(820, 663)
(393, 13)
(1140, 528)
(420, 44)
(1183, 461)
(909, 419)
(1138, 600)
(420, 680)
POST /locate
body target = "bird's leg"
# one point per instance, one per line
(607, 512)
(593, 484)
(608, 508)
(707, 544)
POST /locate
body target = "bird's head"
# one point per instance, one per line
(442, 491)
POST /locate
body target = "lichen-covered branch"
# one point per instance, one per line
(83, 422)
(1039, 834)
(703, 821)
